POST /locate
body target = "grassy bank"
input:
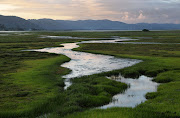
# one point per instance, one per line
(30, 82)
(32, 87)
(88, 92)
(118, 113)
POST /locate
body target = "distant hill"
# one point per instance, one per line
(49, 24)
(17, 23)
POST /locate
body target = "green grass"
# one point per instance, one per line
(154, 34)
(88, 92)
(156, 50)
(32, 85)
(160, 39)
(118, 113)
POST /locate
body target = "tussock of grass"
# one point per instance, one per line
(89, 91)
(119, 113)
(168, 76)
(152, 95)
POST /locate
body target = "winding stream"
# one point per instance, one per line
(83, 64)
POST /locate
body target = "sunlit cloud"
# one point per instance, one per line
(4, 7)
(130, 11)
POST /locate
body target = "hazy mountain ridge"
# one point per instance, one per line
(49, 24)
(17, 23)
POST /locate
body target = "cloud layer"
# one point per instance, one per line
(129, 11)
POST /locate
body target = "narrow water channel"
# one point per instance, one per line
(83, 64)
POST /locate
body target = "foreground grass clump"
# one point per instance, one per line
(89, 91)
(169, 76)
(118, 113)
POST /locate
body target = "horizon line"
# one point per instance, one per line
(87, 19)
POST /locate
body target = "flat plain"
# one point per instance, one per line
(31, 84)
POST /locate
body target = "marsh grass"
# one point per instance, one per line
(31, 86)
(89, 91)
(119, 113)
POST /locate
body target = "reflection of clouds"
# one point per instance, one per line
(135, 94)
(130, 11)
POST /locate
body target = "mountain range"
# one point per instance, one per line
(17, 23)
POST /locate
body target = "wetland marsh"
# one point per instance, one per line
(32, 83)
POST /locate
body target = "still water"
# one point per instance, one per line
(135, 94)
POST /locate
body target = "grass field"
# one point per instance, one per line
(31, 83)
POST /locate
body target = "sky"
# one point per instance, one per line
(128, 11)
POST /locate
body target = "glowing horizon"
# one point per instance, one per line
(129, 11)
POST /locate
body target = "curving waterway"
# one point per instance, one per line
(83, 63)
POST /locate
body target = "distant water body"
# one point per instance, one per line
(13, 31)
(75, 31)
